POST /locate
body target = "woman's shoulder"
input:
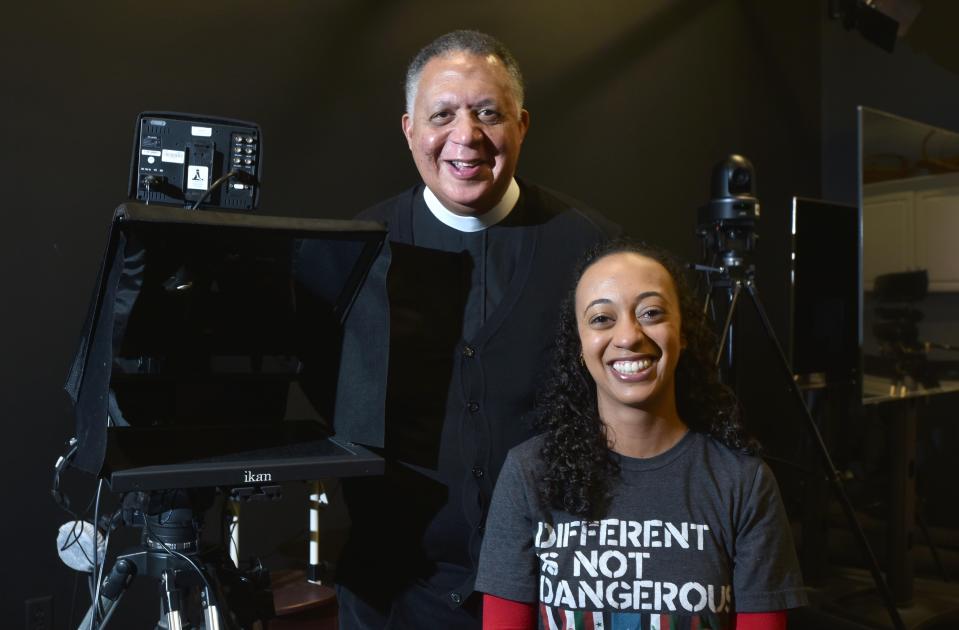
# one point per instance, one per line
(723, 457)
(522, 471)
(528, 450)
(731, 472)
(526, 457)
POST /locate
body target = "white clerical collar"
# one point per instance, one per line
(465, 223)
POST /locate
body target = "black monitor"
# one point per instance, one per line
(193, 161)
(824, 290)
(216, 350)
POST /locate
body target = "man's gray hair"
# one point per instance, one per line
(472, 42)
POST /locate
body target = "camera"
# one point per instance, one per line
(726, 223)
(740, 181)
(732, 194)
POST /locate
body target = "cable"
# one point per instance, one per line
(106, 547)
(62, 462)
(116, 604)
(216, 184)
(98, 574)
(92, 620)
(232, 545)
(80, 518)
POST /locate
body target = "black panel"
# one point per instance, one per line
(825, 289)
(214, 346)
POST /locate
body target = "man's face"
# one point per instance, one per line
(465, 131)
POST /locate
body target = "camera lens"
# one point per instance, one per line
(739, 181)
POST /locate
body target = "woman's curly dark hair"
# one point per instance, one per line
(580, 472)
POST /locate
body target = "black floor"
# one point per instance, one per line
(847, 600)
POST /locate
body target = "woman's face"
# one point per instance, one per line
(628, 315)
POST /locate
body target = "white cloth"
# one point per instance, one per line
(464, 223)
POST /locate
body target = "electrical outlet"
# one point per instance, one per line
(40, 613)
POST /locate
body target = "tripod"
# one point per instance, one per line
(169, 552)
(731, 283)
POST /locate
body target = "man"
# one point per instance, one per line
(481, 262)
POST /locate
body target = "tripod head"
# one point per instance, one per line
(170, 518)
(726, 223)
(229, 597)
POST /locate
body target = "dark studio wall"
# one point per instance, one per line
(919, 81)
(632, 104)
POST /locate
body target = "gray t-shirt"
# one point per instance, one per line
(691, 536)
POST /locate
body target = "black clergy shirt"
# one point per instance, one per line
(472, 323)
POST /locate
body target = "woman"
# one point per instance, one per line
(642, 504)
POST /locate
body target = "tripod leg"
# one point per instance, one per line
(234, 515)
(815, 498)
(211, 616)
(318, 501)
(728, 326)
(172, 601)
(932, 546)
(827, 462)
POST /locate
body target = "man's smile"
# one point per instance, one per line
(466, 168)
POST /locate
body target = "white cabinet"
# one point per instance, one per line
(937, 237)
(912, 224)
(887, 235)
